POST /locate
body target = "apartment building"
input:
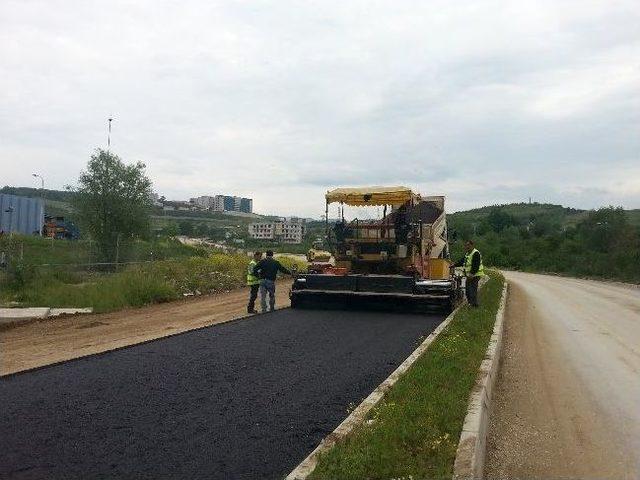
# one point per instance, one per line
(284, 230)
(205, 202)
(217, 203)
(226, 203)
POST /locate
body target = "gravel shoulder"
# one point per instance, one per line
(566, 401)
(58, 339)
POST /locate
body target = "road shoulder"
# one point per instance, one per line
(544, 424)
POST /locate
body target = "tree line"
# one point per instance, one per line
(601, 243)
(113, 205)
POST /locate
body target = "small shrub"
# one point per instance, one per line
(20, 274)
(289, 263)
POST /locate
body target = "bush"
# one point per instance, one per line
(289, 263)
(20, 274)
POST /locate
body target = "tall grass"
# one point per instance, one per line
(34, 250)
(101, 292)
(136, 285)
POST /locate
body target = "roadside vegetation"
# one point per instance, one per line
(119, 262)
(50, 273)
(603, 243)
(414, 431)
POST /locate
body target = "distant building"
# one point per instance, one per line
(226, 203)
(216, 203)
(177, 205)
(229, 203)
(21, 214)
(284, 230)
(246, 205)
(204, 202)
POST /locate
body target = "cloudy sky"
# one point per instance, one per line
(483, 101)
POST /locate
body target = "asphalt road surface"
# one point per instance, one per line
(568, 391)
(246, 399)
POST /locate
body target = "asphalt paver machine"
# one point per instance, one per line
(398, 261)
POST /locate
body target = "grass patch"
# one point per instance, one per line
(136, 285)
(414, 431)
(34, 250)
(102, 292)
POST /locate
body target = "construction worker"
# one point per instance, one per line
(267, 269)
(473, 270)
(253, 282)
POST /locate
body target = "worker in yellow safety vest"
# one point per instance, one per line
(253, 282)
(473, 270)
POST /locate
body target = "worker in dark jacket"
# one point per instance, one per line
(267, 269)
(473, 270)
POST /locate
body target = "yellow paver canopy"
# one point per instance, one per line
(370, 196)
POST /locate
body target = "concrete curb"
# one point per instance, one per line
(24, 313)
(357, 416)
(12, 317)
(470, 455)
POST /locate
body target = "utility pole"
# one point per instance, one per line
(109, 135)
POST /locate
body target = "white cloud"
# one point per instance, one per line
(486, 102)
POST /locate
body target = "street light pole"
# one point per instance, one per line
(41, 181)
(41, 185)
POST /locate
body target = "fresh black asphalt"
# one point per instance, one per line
(245, 399)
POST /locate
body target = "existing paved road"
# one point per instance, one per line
(245, 399)
(568, 393)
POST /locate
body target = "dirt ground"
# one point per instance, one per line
(63, 338)
(566, 401)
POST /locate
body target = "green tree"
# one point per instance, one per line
(186, 228)
(604, 229)
(171, 229)
(498, 219)
(113, 201)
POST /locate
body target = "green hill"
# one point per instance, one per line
(602, 243)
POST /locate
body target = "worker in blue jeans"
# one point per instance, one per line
(267, 269)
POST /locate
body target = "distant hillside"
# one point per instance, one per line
(56, 201)
(603, 243)
(57, 195)
(523, 213)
